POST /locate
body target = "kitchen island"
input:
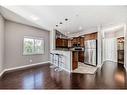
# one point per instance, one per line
(66, 58)
(70, 58)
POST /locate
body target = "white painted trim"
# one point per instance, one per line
(125, 46)
(25, 66)
(100, 65)
(20, 67)
(66, 70)
(125, 68)
(2, 72)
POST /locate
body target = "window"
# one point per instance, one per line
(33, 46)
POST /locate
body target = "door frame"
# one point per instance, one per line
(124, 27)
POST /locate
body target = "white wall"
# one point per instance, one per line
(52, 40)
(1, 43)
(110, 49)
(125, 46)
(119, 33)
(110, 44)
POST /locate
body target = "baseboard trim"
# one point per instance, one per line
(66, 70)
(22, 67)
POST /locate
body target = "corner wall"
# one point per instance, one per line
(125, 46)
(1, 43)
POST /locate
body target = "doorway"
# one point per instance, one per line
(113, 46)
(120, 50)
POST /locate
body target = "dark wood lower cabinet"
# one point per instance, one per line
(74, 60)
(77, 56)
(75, 65)
(81, 56)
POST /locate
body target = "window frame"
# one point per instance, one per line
(35, 38)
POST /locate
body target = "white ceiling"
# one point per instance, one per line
(80, 18)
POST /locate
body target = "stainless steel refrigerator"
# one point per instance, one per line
(90, 52)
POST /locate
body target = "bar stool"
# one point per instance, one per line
(52, 61)
(59, 62)
(62, 61)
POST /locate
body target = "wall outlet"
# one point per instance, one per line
(31, 60)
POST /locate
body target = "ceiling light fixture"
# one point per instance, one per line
(77, 15)
(80, 28)
(66, 19)
(35, 18)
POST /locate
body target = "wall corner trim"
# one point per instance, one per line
(2, 73)
(21, 67)
(125, 68)
(100, 65)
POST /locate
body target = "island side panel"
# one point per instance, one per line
(67, 59)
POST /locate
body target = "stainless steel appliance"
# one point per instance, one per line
(77, 47)
(90, 52)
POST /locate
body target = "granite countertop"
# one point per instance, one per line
(68, 49)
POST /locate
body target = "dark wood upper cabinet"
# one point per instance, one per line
(65, 43)
(77, 40)
(91, 36)
(74, 40)
(82, 41)
(69, 43)
(60, 42)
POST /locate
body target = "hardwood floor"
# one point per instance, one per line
(110, 76)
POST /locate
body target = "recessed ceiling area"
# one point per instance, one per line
(66, 19)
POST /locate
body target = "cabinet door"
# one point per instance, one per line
(58, 42)
(62, 42)
(74, 60)
(93, 36)
(69, 43)
(72, 42)
(78, 40)
(82, 42)
(81, 56)
(75, 65)
(75, 41)
(66, 42)
(87, 37)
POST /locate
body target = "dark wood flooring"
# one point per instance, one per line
(110, 76)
